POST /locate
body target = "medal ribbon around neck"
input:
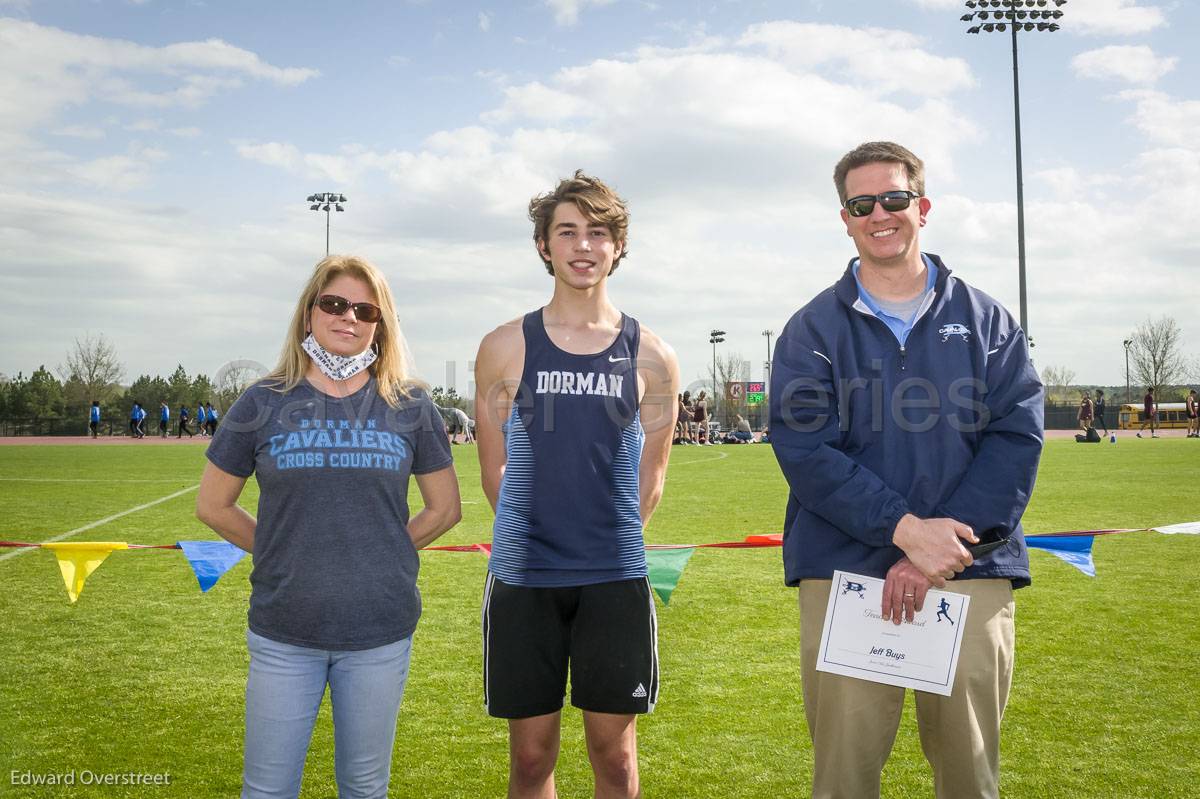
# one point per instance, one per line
(337, 367)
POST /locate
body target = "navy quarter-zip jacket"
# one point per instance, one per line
(865, 430)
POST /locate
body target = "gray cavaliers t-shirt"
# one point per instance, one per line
(334, 567)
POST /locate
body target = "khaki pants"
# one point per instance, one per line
(853, 722)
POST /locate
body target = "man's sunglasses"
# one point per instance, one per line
(891, 201)
(336, 306)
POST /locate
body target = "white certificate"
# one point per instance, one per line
(857, 641)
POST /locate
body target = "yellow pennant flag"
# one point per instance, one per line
(78, 559)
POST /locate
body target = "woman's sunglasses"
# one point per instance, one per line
(891, 200)
(334, 305)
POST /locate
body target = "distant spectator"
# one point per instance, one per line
(1149, 413)
(689, 408)
(133, 420)
(184, 416)
(210, 419)
(700, 417)
(1086, 412)
(141, 420)
(164, 419)
(741, 433)
(683, 418)
(1193, 415)
(456, 422)
(464, 425)
(1099, 409)
(201, 420)
(94, 417)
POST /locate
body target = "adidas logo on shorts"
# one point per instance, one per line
(639, 692)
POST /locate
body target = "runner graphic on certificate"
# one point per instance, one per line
(857, 641)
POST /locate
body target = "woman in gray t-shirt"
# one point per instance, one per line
(332, 436)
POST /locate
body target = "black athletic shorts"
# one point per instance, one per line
(605, 634)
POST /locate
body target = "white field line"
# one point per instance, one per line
(716, 456)
(99, 522)
(83, 480)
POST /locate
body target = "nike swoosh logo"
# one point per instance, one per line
(611, 359)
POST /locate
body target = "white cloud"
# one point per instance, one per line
(284, 156)
(888, 59)
(485, 21)
(566, 12)
(79, 132)
(1112, 17)
(1165, 120)
(118, 173)
(1067, 182)
(1133, 64)
(937, 5)
(45, 70)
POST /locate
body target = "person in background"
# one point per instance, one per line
(741, 430)
(210, 414)
(94, 418)
(1099, 408)
(687, 408)
(201, 420)
(1149, 413)
(1086, 412)
(700, 417)
(164, 419)
(464, 425)
(1193, 415)
(184, 416)
(333, 435)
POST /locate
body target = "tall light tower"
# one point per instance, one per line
(1128, 343)
(326, 201)
(715, 337)
(767, 363)
(997, 16)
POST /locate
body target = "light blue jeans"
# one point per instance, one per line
(283, 694)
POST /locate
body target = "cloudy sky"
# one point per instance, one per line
(155, 157)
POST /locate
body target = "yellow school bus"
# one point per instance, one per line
(1170, 414)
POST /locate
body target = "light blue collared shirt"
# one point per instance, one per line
(900, 327)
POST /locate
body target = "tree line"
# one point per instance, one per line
(91, 373)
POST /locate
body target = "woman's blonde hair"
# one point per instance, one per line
(392, 369)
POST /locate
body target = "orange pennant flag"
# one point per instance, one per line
(78, 559)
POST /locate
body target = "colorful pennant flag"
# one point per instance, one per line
(211, 559)
(1187, 528)
(77, 560)
(665, 567)
(1074, 549)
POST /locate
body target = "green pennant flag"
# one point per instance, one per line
(666, 566)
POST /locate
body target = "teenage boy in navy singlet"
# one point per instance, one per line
(575, 406)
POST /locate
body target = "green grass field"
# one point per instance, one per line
(145, 674)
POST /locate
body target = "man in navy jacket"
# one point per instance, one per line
(907, 419)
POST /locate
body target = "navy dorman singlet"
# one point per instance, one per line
(568, 512)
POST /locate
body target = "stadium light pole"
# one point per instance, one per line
(715, 337)
(767, 363)
(1128, 343)
(325, 201)
(996, 16)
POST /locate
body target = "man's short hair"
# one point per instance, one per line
(599, 204)
(874, 152)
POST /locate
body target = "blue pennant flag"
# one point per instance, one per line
(1074, 549)
(211, 559)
